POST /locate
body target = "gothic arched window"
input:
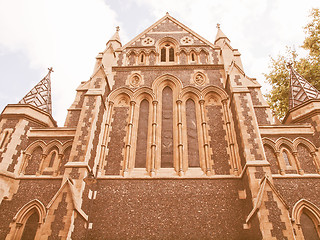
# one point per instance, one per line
(167, 52)
(286, 158)
(31, 227)
(309, 229)
(167, 128)
(142, 135)
(28, 221)
(307, 219)
(192, 133)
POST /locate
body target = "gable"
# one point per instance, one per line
(167, 27)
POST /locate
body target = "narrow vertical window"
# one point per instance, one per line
(171, 54)
(167, 129)
(142, 58)
(193, 149)
(286, 159)
(142, 136)
(31, 227)
(308, 227)
(163, 54)
(192, 57)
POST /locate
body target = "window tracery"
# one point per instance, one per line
(167, 52)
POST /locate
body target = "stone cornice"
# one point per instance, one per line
(168, 67)
(29, 112)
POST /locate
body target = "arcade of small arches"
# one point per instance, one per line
(166, 131)
(45, 159)
(167, 52)
(292, 157)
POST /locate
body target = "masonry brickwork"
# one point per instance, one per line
(168, 139)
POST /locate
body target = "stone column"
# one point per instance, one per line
(231, 138)
(39, 171)
(105, 137)
(282, 171)
(180, 143)
(205, 138)
(128, 144)
(295, 156)
(315, 159)
(154, 131)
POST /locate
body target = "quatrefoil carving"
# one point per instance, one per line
(148, 41)
(186, 40)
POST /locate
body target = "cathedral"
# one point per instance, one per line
(168, 139)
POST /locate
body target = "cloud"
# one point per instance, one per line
(259, 29)
(68, 34)
(64, 34)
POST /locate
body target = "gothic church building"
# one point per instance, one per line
(168, 139)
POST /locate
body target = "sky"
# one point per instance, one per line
(68, 34)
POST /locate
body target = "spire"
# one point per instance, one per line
(300, 89)
(116, 36)
(40, 95)
(220, 34)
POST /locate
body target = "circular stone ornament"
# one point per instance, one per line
(148, 41)
(135, 80)
(199, 78)
(186, 40)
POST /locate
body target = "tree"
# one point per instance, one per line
(308, 67)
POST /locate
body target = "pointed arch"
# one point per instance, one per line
(66, 145)
(33, 209)
(34, 145)
(222, 93)
(168, 80)
(146, 91)
(33, 204)
(190, 90)
(305, 208)
(120, 91)
(52, 144)
(272, 158)
(270, 143)
(300, 140)
(284, 141)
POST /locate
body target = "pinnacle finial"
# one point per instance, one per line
(50, 70)
(117, 28)
(167, 13)
(218, 25)
(289, 65)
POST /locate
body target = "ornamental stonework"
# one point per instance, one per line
(199, 78)
(186, 40)
(148, 41)
(135, 80)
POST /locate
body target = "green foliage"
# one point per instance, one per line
(308, 67)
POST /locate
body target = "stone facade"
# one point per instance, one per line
(169, 139)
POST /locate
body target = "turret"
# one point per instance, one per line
(304, 100)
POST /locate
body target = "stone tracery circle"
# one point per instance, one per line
(135, 80)
(199, 78)
(148, 41)
(186, 40)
